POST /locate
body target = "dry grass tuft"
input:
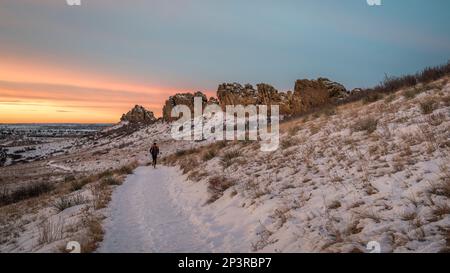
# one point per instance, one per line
(24, 192)
(228, 158)
(217, 185)
(368, 124)
(427, 106)
(50, 231)
(66, 202)
(209, 154)
(288, 142)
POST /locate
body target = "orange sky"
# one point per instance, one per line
(31, 93)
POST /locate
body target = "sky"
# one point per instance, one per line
(91, 63)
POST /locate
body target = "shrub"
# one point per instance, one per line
(104, 174)
(24, 192)
(293, 130)
(441, 210)
(111, 180)
(209, 154)
(288, 142)
(126, 169)
(411, 93)
(188, 165)
(221, 144)
(50, 231)
(372, 97)
(217, 185)
(427, 106)
(429, 74)
(181, 153)
(389, 98)
(66, 202)
(436, 119)
(365, 124)
(227, 158)
(78, 184)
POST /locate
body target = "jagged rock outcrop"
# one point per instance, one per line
(235, 93)
(307, 94)
(139, 115)
(335, 89)
(356, 91)
(213, 100)
(181, 99)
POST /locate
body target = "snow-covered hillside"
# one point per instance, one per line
(364, 171)
(344, 177)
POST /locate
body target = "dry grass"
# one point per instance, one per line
(427, 106)
(112, 181)
(429, 74)
(217, 185)
(209, 154)
(50, 231)
(436, 119)
(369, 214)
(65, 202)
(264, 239)
(389, 98)
(441, 210)
(189, 164)
(294, 130)
(101, 195)
(411, 93)
(228, 158)
(372, 97)
(409, 216)
(288, 142)
(197, 175)
(368, 124)
(334, 205)
(109, 177)
(24, 192)
(94, 235)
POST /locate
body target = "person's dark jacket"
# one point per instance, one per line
(154, 151)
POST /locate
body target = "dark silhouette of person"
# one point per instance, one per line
(154, 151)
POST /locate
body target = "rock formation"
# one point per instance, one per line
(139, 115)
(335, 89)
(181, 99)
(235, 93)
(307, 94)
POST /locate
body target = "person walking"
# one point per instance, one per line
(154, 151)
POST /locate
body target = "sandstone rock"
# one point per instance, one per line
(213, 100)
(335, 89)
(356, 91)
(235, 93)
(181, 99)
(309, 94)
(267, 94)
(139, 115)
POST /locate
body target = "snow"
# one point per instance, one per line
(143, 217)
(333, 190)
(57, 166)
